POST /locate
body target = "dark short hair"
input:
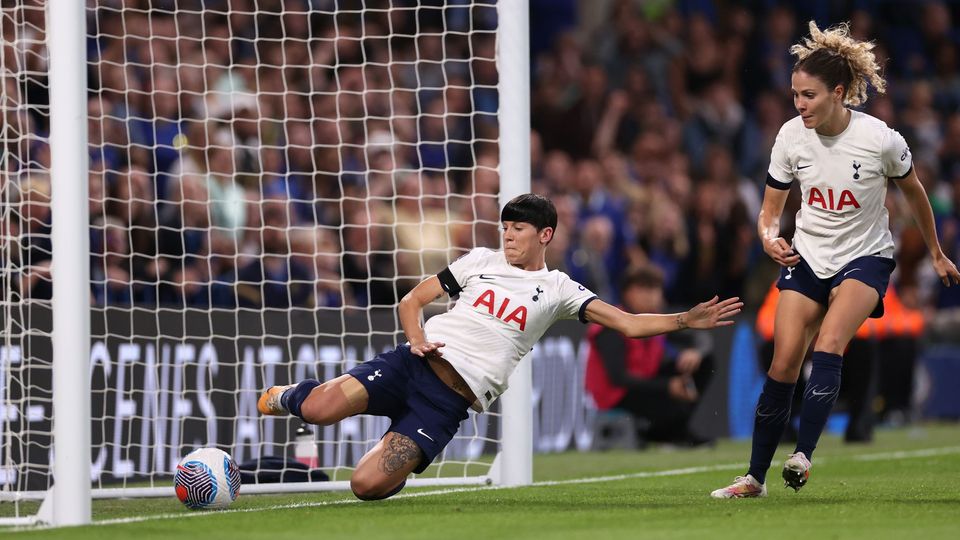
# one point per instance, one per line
(531, 208)
(828, 66)
(645, 277)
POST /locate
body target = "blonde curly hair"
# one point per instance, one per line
(837, 59)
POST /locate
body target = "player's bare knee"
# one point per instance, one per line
(830, 342)
(784, 371)
(362, 489)
(366, 488)
(784, 375)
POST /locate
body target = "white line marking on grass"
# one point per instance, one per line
(926, 452)
(429, 493)
(646, 474)
(905, 454)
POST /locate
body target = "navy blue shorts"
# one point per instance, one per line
(872, 270)
(404, 388)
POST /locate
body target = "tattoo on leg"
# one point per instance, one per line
(400, 451)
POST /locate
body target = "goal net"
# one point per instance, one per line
(266, 180)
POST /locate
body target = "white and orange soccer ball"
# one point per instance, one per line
(207, 478)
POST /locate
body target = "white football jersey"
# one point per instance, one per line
(843, 182)
(501, 313)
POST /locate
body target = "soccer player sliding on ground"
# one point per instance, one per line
(463, 358)
(835, 275)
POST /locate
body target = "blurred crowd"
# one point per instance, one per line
(271, 154)
(656, 121)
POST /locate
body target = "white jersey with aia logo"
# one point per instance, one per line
(501, 313)
(843, 182)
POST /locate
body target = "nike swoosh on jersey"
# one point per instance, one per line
(482, 276)
(803, 166)
(420, 431)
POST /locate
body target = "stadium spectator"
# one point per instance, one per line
(103, 131)
(718, 236)
(31, 222)
(110, 263)
(598, 256)
(319, 250)
(659, 379)
(275, 279)
(228, 201)
(717, 119)
(368, 269)
(663, 235)
(131, 201)
(183, 244)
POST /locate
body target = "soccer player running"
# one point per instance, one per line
(835, 275)
(462, 358)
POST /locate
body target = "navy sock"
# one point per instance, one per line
(293, 398)
(771, 417)
(822, 390)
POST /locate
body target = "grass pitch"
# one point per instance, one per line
(904, 485)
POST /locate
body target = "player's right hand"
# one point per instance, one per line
(681, 388)
(946, 270)
(688, 361)
(428, 349)
(780, 251)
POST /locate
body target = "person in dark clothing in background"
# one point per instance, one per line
(657, 380)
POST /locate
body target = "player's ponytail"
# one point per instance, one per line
(836, 58)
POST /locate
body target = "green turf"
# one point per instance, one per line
(911, 496)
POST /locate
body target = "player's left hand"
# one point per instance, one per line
(946, 270)
(428, 349)
(713, 313)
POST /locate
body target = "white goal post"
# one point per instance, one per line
(265, 179)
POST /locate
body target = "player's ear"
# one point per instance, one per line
(546, 235)
(838, 92)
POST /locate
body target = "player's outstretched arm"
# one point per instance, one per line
(410, 311)
(709, 314)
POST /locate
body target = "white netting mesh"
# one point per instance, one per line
(25, 246)
(267, 179)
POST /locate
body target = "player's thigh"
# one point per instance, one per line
(851, 303)
(335, 400)
(386, 466)
(797, 320)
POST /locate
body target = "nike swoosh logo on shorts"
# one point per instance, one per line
(848, 271)
(803, 166)
(814, 392)
(420, 431)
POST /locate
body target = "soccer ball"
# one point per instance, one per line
(207, 478)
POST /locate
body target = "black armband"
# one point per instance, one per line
(776, 184)
(906, 174)
(582, 314)
(448, 282)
